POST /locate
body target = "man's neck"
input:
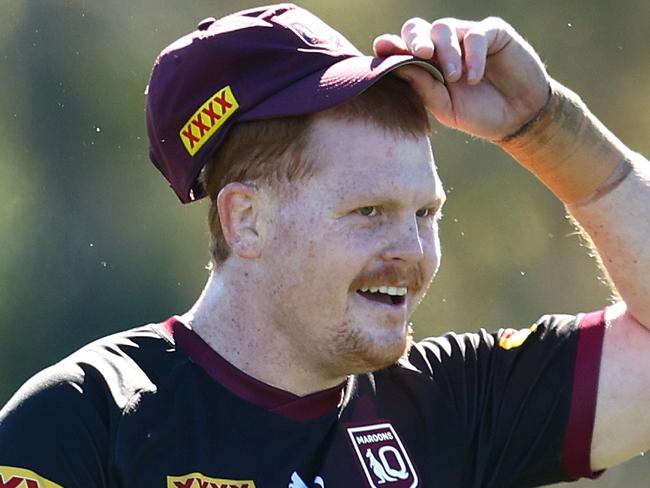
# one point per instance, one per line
(232, 322)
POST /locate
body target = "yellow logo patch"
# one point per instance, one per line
(198, 480)
(207, 119)
(511, 338)
(23, 478)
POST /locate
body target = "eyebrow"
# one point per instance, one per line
(435, 203)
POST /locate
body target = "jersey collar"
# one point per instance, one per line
(282, 402)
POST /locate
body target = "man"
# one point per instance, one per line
(295, 367)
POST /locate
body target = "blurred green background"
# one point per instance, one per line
(92, 240)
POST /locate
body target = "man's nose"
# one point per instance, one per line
(405, 242)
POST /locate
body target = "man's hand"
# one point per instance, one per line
(495, 80)
(495, 83)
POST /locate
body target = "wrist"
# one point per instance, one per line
(567, 148)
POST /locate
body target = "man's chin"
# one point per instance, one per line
(380, 356)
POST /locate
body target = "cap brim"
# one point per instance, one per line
(315, 92)
(336, 84)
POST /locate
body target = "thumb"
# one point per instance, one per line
(434, 94)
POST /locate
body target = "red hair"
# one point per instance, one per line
(276, 150)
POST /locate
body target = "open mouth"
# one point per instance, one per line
(390, 295)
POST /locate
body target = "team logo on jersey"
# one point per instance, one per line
(23, 478)
(382, 456)
(298, 482)
(511, 338)
(207, 119)
(198, 480)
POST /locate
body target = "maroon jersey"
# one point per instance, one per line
(157, 407)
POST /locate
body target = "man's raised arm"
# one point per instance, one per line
(498, 89)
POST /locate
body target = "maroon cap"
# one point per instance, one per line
(261, 63)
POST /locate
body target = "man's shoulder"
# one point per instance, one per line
(107, 372)
(466, 344)
(451, 353)
(66, 415)
(127, 363)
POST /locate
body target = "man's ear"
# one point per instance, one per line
(238, 205)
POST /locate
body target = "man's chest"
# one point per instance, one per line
(236, 446)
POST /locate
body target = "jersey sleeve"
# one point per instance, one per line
(51, 433)
(526, 397)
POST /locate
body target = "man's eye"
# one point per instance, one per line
(424, 212)
(367, 211)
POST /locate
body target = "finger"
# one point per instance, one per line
(434, 94)
(388, 45)
(486, 37)
(416, 34)
(447, 47)
(475, 44)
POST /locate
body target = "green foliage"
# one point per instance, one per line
(93, 241)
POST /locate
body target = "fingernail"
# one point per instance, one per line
(451, 70)
(472, 76)
(420, 48)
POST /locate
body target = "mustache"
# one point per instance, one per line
(392, 275)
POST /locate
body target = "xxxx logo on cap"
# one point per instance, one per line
(207, 119)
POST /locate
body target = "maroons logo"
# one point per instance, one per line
(382, 456)
(316, 33)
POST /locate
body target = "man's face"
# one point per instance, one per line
(350, 251)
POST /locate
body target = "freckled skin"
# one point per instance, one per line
(319, 245)
(289, 313)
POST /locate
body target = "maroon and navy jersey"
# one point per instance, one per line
(157, 407)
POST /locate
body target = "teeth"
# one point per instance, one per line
(388, 290)
(393, 290)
